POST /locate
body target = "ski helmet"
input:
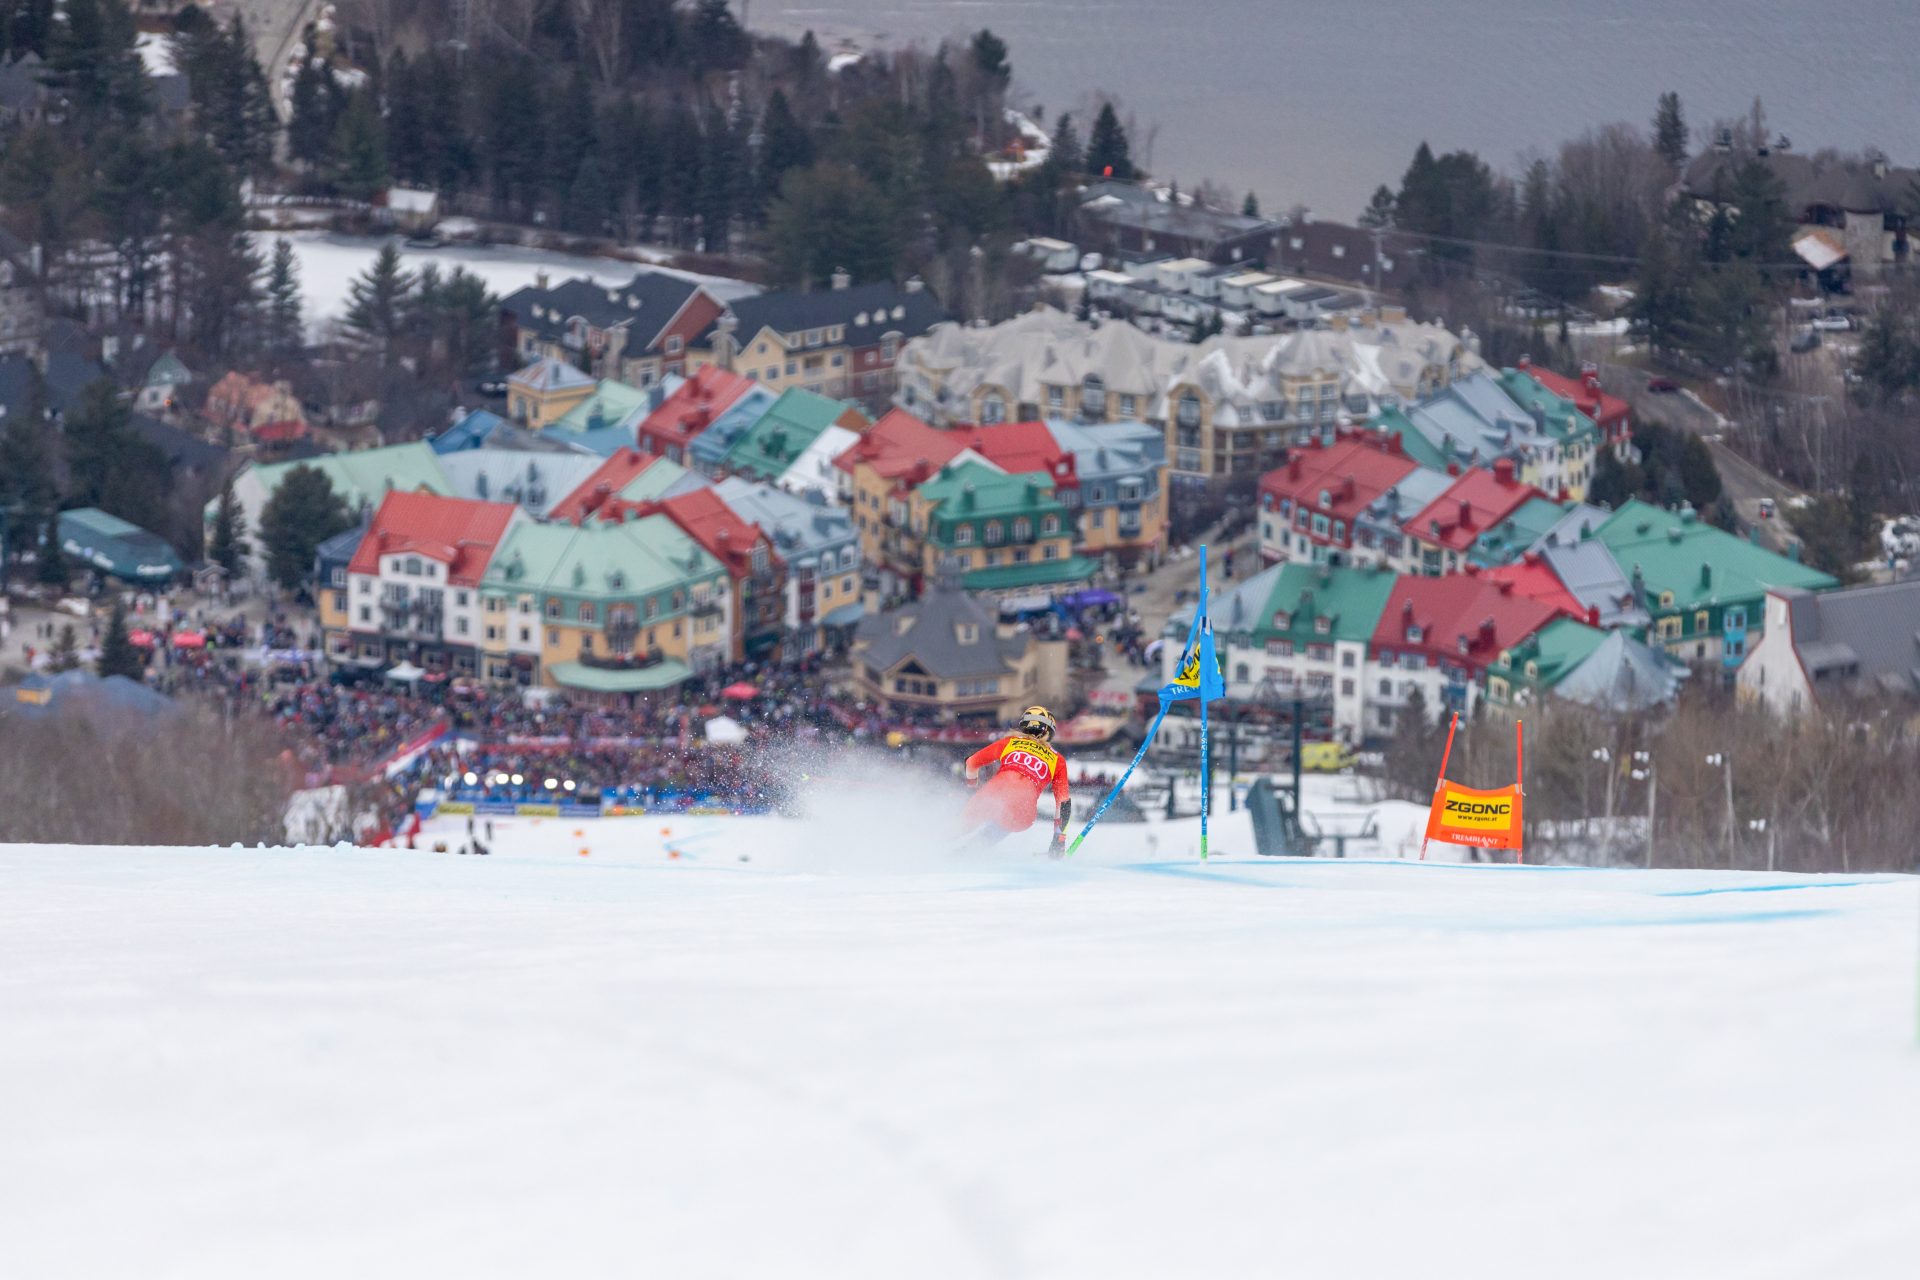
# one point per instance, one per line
(1037, 722)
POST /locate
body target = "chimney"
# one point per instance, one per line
(1706, 576)
(1293, 467)
(539, 279)
(1395, 444)
(1466, 514)
(1593, 615)
(1506, 586)
(1503, 471)
(1453, 467)
(1590, 378)
(1486, 631)
(914, 284)
(841, 280)
(1525, 363)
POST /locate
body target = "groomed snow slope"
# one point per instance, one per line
(349, 1063)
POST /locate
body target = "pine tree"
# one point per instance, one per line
(357, 155)
(230, 99)
(829, 217)
(1107, 149)
(1670, 131)
(589, 199)
(65, 654)
(1250, 207)
(27, 490)
(303, 513)
(118, 657)
(285, 332)
(317, 101)
(990, 57)
(377, 302)
(227, 543)
(1067, 156)
(1379, 210)
(95, 62)
(785, 144)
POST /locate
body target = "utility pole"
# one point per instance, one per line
(1648, 776)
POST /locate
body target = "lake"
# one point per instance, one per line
(1317, 103)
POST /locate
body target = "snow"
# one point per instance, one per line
(156, 52)
(791, 1050)
(328, 263)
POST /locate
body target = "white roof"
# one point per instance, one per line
(411, 200)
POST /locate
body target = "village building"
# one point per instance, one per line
(1120, 500)
(1703, 588)
(821, 549)
(542, 393)
(256, 410)
(637, 333)
(840, 342)
(949, 655)
(1438, 637)
(705, 397)
(1311, 506)
(610, 610)
(413, 584)
(996, 531)
(788, 431)
(1822, 652)
(1486, 516)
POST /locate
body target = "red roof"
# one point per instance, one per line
(1352, 472)
(709, 521)
(902, 447)
(620, 469)
(1608, 412)
(1020, 447)
(1463, 619)
(277, 432)
(1535, 579)
(457, 532)
(709, 392)
(1471, 505)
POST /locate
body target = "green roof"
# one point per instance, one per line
(600, 563)
(661, 475)
(1393, 420)
(1527, 524)
(1675, 551)
(610, 402)
(1560, 417)
(1036, 573)
(110, 544)
(1350, 599)
(791, 424)
(363, 476)
(661, 675)
(1555, 650)
(965, 493)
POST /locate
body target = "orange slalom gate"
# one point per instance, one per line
(1469, 816)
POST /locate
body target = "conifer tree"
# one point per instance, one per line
(1670, 131)
(358, 152)
(377, 302)
(65, 654)
(227, 543)
(285, 335)
(118, 657)
(1107, 148)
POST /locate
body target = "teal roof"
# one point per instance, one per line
(1555, 650)
(363, 476)
(1675, 551)
(1559, 418)
(611, 404)
(111, 545)
(1036, 573)
(548, 374)
(782, 434)
(1349, 599)
(603, 563)
(1393, 421)
(593, 679)
(1510, 539)
(965, 493)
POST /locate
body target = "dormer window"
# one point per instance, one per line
(1022, 529)
(1413, 635)
(967, 633)
(1322, 624)
(994, 533)
(1282, 620)
(1465, 644)
(1326, 498)
(962, 534)
(1050, 524)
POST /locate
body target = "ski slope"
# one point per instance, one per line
(722, 1047)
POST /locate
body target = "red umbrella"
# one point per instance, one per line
(189, 640)
(140, 639)
(740, 689)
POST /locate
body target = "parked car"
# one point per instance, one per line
(492, 388)
(1766, 508)
(1326, 757)
(1804, 341)
(1662, 386)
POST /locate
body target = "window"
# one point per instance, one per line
(553, 608)
(460, 626)
(526, 635)
(889, 349)
(1022, 529)
(793, 367)
(584, 613)
(1127, 406)
(1093, 395)
(1056, 397)
(1346, 658)
(1700, 622)
(962, 534)
(460, 598)
(994, 533)
(673, 344)
(1050, 552)
(1050, 524)
(1346, 688)
(653, 608)
(366, 586)
(1413, 635)
(412, 568)
(366, 613)
(1189, 411)
(493, 633)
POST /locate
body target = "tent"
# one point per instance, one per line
(113, 546)
(86, 694)
(725, 729)
(189, 640)
(405, 672)
(740, 690)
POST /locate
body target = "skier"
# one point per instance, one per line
(1010, 800)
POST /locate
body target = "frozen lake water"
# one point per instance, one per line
(728, 1047)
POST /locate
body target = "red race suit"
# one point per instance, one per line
(1011, 798)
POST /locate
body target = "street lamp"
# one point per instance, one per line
(1647, 775)
(1605, 759)
(1720, 760)
(1759, 825)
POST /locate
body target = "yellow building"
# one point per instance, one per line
(543, 392)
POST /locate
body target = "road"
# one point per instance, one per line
(276, 25)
